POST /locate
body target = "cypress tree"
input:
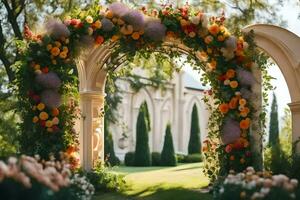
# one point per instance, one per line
(144, 107)
(142, 151)
(168, 157)
(109, 152)
(274, 129)
(194, 143)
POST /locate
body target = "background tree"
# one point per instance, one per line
(142, 151)
(194, 143)
(274, 124)
(168, 157)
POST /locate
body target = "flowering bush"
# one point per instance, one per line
(251, 185)
(34, 179)
(47, 78)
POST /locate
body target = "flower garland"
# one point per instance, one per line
(47, 73)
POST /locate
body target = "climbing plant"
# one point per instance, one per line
(47, 81)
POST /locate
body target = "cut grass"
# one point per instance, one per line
(161, 183)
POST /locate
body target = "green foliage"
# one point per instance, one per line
(194, 143)
(168, 157)
(129, 159)
(105, 180)
(156, 158)
(142, 151)
(109, 151)
(274, 124)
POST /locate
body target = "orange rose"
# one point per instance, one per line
(109, 14)
(115, 38)
(135, 36)
(55, 112)
(242, 102)
(63, 54)
(214, 29)
(245, 124)
(233, 103)
(232, 158)
(234, 84)
(224, 108)
(55, 51)
(245, 112)
(230, 73)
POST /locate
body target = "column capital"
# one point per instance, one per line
(295, 106)
(93, 94)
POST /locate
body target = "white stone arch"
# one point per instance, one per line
(166, 113)
(284, 47)
(143, 95)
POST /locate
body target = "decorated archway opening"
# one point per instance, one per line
(49, 106)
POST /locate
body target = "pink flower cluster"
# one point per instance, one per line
(52, 174)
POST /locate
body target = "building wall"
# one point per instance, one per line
(172, 105)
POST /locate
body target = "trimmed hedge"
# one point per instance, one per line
(168, 157)
(142, 152)
(194, 143)
(109, 151)
(192, 158)
(129, 159)
(156, 157)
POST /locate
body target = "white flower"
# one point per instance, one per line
(227, 82)
(195, 20)
(294, 182)
(12, 160)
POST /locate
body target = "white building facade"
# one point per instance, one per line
(173, 105)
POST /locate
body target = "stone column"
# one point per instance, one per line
(295, 112)
(92, 128)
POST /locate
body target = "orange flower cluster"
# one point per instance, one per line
(46, 120)
(58, 49)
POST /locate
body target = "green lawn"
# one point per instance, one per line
(161, 183)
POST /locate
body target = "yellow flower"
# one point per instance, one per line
(98, 24)
(67, 41)
(54, 62)
(192, 34)
(63, 55)
(55, 51)
(135, 36)
(183, 22)
(49, 47)
(35, 119)
(89, 19)
(221, 38)
(41, 106)
(65, 49)
(57, 43)
(44, 116)
(49, 124)
(37, 66)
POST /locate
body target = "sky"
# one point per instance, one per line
(289, 12)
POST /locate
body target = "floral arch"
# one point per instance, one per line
(71, 60)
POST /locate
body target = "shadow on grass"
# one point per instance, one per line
(157, 193)
(183, 169)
